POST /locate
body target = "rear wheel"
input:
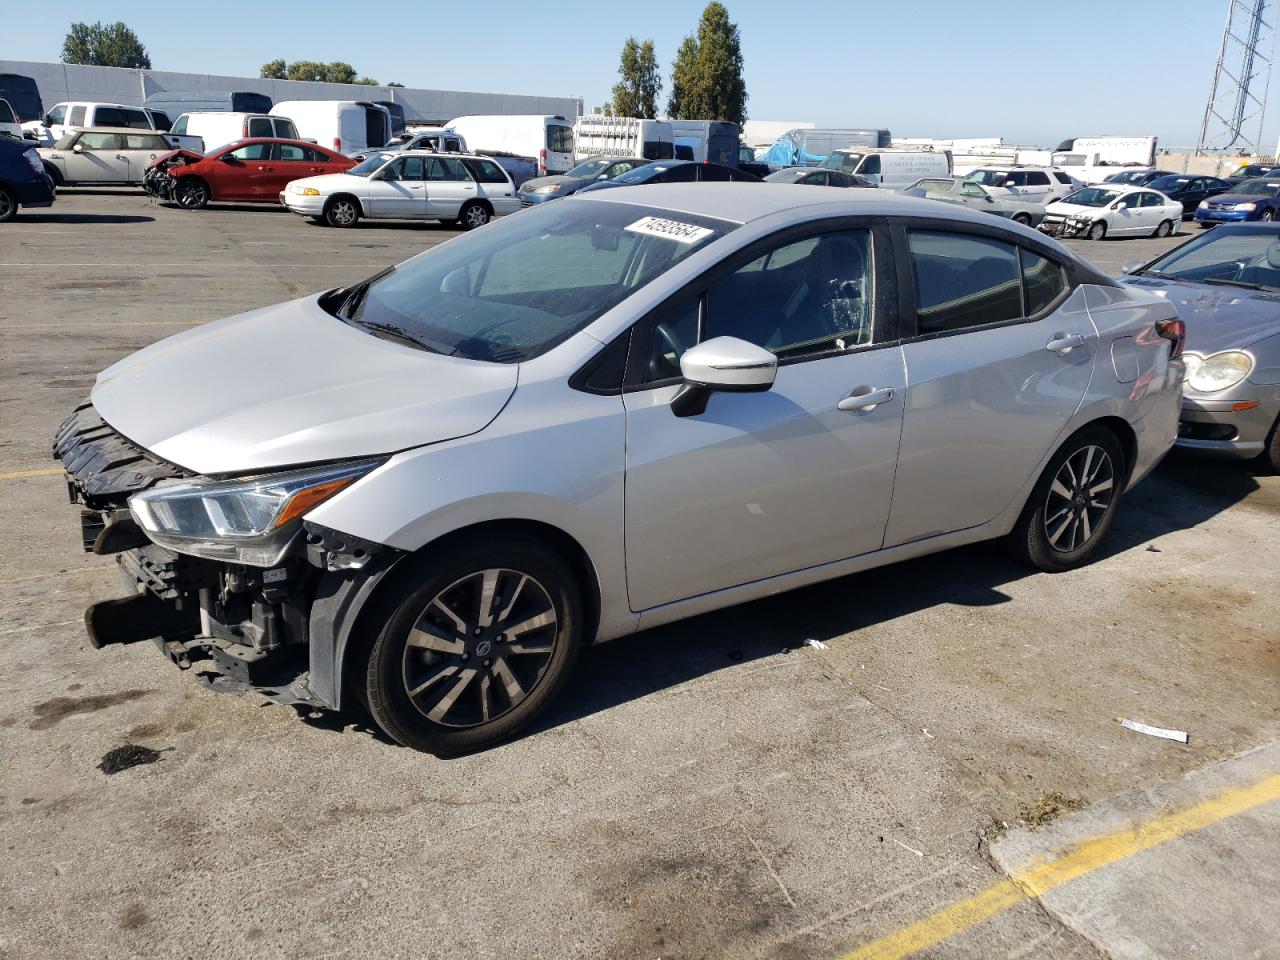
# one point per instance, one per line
(192, 193)
(1098, 231)
(341, 212)
(1165, 228)
(1267, 215)
(1022, 218)
(473, 214)
(480, 640)
(8, 205)
(1073, 504)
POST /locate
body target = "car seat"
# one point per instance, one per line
(1267, 271)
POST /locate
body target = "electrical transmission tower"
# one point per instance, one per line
(1238, 98)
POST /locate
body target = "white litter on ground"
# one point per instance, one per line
(816, 644)
(1179, 735)
(918, 853)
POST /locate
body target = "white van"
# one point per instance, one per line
(890, 168)
(206, 131)
(347, 126)
(547, 139)
(78, 114)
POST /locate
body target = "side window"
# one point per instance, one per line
(99, 141)
(963, 281)
(136, 119)
(260, 127)
(395, 171)
(77, 117)
(1017, 177)
(1130, 201)
(142, 141)
(485, 171)
(671, 337)
(713, 172)
(445, 168)
(685, 173)
(1151, 200)
(618, 169)
(283, 128)
(413, 168)
(870, 165)
(58, 114)
(180, 125)
(1036, 178)
(972, 190)
(805, 297)
(452, 145)
(1062, 177)
(291, 153)
(108, 117)
(253, 151)
(816, 179)
(1042, 279)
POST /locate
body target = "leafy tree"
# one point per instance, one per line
(275, 70)
(104, 45)
(683, 79)
(636, 94)
(339, 72)
(336, 72)
(392, 83)
(706, 78)
(366, 82)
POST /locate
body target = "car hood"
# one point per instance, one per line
(1239, 198)
(329, 182)
(559, 178)
(1217, 317)
(291, 384)
(1067, 209)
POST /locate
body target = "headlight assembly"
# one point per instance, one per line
(249, 521)
(1245, 207)
(547, 188)
(1219, 372)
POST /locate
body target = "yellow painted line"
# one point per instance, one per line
(20, 474)
(1066, 865)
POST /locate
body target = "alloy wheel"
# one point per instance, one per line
(344, 212)
(476, 216)
(1098, 231)
(1078, 498)
(191, 195)
(1267, 215)
(479, 648)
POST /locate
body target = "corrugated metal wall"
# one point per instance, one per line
(66, 81)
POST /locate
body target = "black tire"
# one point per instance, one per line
(1267, 216)
(191, 193)
(342, 211)
(1022, 218)
(1098, 231)
(1050, 534)
(455, 690)
(8, 204)
(1203, 225)
(474, 214)
(54, 174)
(320, 220)
(1165, 228)
(1271, 454)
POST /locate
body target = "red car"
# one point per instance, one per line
(253, 171)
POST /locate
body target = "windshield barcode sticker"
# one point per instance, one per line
(671, 229)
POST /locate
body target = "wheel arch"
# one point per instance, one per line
(54, 173)
(341, 195)
(344, 624)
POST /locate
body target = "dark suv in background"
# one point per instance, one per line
(23, 182)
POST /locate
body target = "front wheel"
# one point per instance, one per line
(479, 642)
(341, 212)
(473, 214)
(1271, 456)
(1267, 216)
(8, 205)
(1098, 231)
(1165, 228)
(1073, 504)
(1022, 218)
(191, 193)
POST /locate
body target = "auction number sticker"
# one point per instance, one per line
(671, 229)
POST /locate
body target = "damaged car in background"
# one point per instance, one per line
(424, 493)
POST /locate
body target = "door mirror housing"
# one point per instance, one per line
(1117, 205)
(78, 148)
(724, 364)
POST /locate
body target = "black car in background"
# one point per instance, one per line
(1251, 171)
(1189, 189)
(818, 177)
(675, 171)
(23, 182)
(1136, 178)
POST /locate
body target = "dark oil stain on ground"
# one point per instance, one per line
(51, 712)
(122, 758)
(134, 917)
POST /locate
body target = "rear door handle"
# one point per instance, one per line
(1062, 343)
(865, 398)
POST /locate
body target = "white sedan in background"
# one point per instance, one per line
(1113, 210)
(411, 185)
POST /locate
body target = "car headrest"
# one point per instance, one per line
(1273, 255)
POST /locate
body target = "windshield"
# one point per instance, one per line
(1171, 182)
(66, 140)
(1259, 189)
(1092, 197)
(368, 166)
(846, 162)
(989, 178)
(1246, 256)
(1133, 176)
(589, 168)
(520, 286)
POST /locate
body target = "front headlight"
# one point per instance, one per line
(1219, 372)
(547, 188)
(248, 521)
(1203, 203)
(1245, 207)
(309, 192)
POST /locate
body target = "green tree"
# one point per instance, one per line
(104, 45)
(339, 72)
(683, 79)
(392, 83)
(275, 70)
(636, 94)
(366, 82)
(706, 79)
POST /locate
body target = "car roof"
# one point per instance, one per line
(431, 153)
(742, 202)
(131, 130)
(246, 140)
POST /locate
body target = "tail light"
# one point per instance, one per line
(1175, 331)
(337, 144)
(542, 162)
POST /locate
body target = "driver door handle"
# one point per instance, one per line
(865, 398)
(1062, 343)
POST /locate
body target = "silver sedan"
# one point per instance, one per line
(428, 491)
(1226, 285)
(975, 196)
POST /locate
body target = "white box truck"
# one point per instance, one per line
(547, 139)
(347, 126)
(597, 136)
(1091, 159)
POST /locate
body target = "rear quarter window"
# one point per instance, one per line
(485, 171)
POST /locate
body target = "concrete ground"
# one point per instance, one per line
(711, 789)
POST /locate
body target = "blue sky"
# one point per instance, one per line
(1031, 71)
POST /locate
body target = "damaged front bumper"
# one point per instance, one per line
(281, 631)
(1066, 227)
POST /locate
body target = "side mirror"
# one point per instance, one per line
(78, 148)
(1117, 205)
(1131, 266)
(226, 158)
(1010, 183)
(725, 364)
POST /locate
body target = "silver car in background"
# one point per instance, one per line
(1226, 286)
(975, 196)
(427, 491)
